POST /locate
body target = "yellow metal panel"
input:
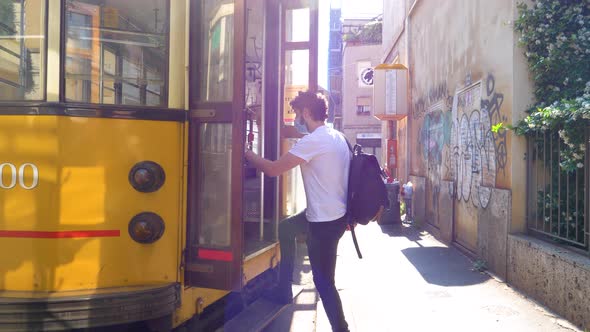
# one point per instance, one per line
(257, 265)
(194, 300)
(83, 166)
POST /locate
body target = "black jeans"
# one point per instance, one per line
(322, 244)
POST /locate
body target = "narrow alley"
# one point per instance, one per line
(424, 286)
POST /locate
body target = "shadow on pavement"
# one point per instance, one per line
(305, 302)
(399, 230)
(443, 266)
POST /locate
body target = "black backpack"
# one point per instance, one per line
(367, 195)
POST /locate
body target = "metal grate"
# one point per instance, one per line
(556, 200)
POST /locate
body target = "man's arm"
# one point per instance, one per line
(273, 168)
(290, 132)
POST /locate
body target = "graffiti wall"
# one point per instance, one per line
(462, 73)
(434, 142)
(478, 153)
(456, 144)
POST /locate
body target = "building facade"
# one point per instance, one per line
(335, 68)
(466, 74)
(358, 123)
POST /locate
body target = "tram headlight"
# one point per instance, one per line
(146, 227)
(147, 176)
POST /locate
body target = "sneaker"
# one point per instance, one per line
(278, 295)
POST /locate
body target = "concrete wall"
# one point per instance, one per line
(492, 231)
(418, 199)
(522, 90)
(394, 14)
(402, 149)
(553, 276)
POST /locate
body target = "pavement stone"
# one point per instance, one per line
(409, 281)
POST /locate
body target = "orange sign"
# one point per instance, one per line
(392, 154)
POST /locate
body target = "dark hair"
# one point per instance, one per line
(315, 102)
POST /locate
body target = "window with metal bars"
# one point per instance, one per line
(557, 200)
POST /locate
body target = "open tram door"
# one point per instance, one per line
(237, 96)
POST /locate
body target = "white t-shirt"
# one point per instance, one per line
(325, 173)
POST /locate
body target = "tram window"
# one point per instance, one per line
(22, 50)
(80, 38)
(297, 25)
(118, 51)
(297, 67)
(83, 88)
(131, 79)
(214, 178)
(296, 79)
(217, 54)
(109, 75)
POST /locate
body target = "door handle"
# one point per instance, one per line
(203, 113)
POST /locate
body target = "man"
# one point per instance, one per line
(324, 158)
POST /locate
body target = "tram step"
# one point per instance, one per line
(257, 315)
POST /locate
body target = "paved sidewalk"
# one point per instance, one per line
(408, 281)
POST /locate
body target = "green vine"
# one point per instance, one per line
(369, 34)
(569, 118)
(556, 37)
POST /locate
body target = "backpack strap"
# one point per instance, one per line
(348, 143)
(352, 180)
(356, 244)
(348, 198)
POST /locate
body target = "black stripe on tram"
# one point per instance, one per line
(96, 111)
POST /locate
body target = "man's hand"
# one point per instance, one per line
(249, 155)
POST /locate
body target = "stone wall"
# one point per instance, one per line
(418, 200)
(554, 276)
(492, 230)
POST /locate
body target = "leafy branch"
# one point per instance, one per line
(556, 37)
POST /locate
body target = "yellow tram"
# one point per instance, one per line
(124, 197)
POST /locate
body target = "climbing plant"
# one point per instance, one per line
(368, 34)
(556, 37)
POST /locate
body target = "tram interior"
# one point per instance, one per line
(258, 228)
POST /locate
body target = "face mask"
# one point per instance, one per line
(300, 125)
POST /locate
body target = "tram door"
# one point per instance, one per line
(216, 144)
(299, 60)
(237, 98)
(280, 34)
